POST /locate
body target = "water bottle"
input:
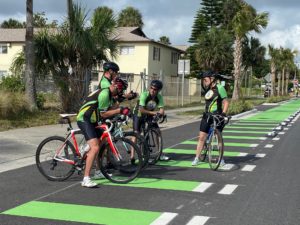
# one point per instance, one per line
(84, 148)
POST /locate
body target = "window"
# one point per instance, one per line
(174, 57)
(127, 50)
(3, 48)
(156, 53)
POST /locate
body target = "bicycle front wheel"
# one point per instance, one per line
(55, 158)
(203, 153)
(215, 150)
(120, 166)
(154, 142)
(140, 141)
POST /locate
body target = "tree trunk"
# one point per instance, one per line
(282, 81)
(29, 58)
(273, 78)
(279, 84)
(287, 77)
(237, 68)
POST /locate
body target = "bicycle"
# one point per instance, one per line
(153, 137)
(214, 144)
(121, 120)
(57, 157)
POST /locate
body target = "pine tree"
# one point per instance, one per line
(208, 16)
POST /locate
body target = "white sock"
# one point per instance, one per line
(86, 178)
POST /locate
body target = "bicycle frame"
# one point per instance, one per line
(71, 136)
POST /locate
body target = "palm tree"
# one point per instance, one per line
(274, 53)
(287, 65)
(164, 40)
(245, 20)
(30, 90)
(130, 17)
(214, 50)
(70, 53)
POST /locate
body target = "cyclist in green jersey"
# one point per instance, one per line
(151, 103)
(97, 105)
(110, 72)
(215, 102)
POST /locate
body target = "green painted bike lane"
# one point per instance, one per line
(83, 213)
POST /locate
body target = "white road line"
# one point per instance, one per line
(202, 187)
(242, 154)
(260, 155)
(286, 128)
(281, 133)
(276, 139)
(198, 220)
(269, 146)
(262, 138)
(228, 189)
(248, 168)
(164, 218)
(289, 125)
(253, 145)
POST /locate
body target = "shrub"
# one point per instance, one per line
(40, 100)
(236, 107)
(12, 104)
(12, 84)
(275, 99)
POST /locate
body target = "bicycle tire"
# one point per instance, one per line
(50, 168)
(141, 144)
(153, 140)
(215, 150)
(124, 170)
(203, 153)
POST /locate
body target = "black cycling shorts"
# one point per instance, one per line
(206, 123)
(89, 130)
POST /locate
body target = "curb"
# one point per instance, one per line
(238, 116)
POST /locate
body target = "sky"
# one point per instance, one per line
(174, 18)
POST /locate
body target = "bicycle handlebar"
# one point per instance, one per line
(159, 119)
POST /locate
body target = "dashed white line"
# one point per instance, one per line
(262, 138)
(202, 187)
(281, 133)
(242, 154)
(198, 220)
(269, 146)
(253, 145)
(276, 139)
(260, 155)
(228, 189)
(248, 168)
(286, 128)
(164, 218)
(289, 125)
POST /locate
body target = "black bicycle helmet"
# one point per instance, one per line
(111, 65)
(209, 73)
(157, 84)
(121, 84)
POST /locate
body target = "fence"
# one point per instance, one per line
(176, 91)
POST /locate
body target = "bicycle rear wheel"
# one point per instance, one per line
(154, 142)
(120, 168)
(61, 167)
(140, 142)
(215, 150)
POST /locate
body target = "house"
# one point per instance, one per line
(142, 59)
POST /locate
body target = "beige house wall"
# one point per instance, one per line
(7, 59)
